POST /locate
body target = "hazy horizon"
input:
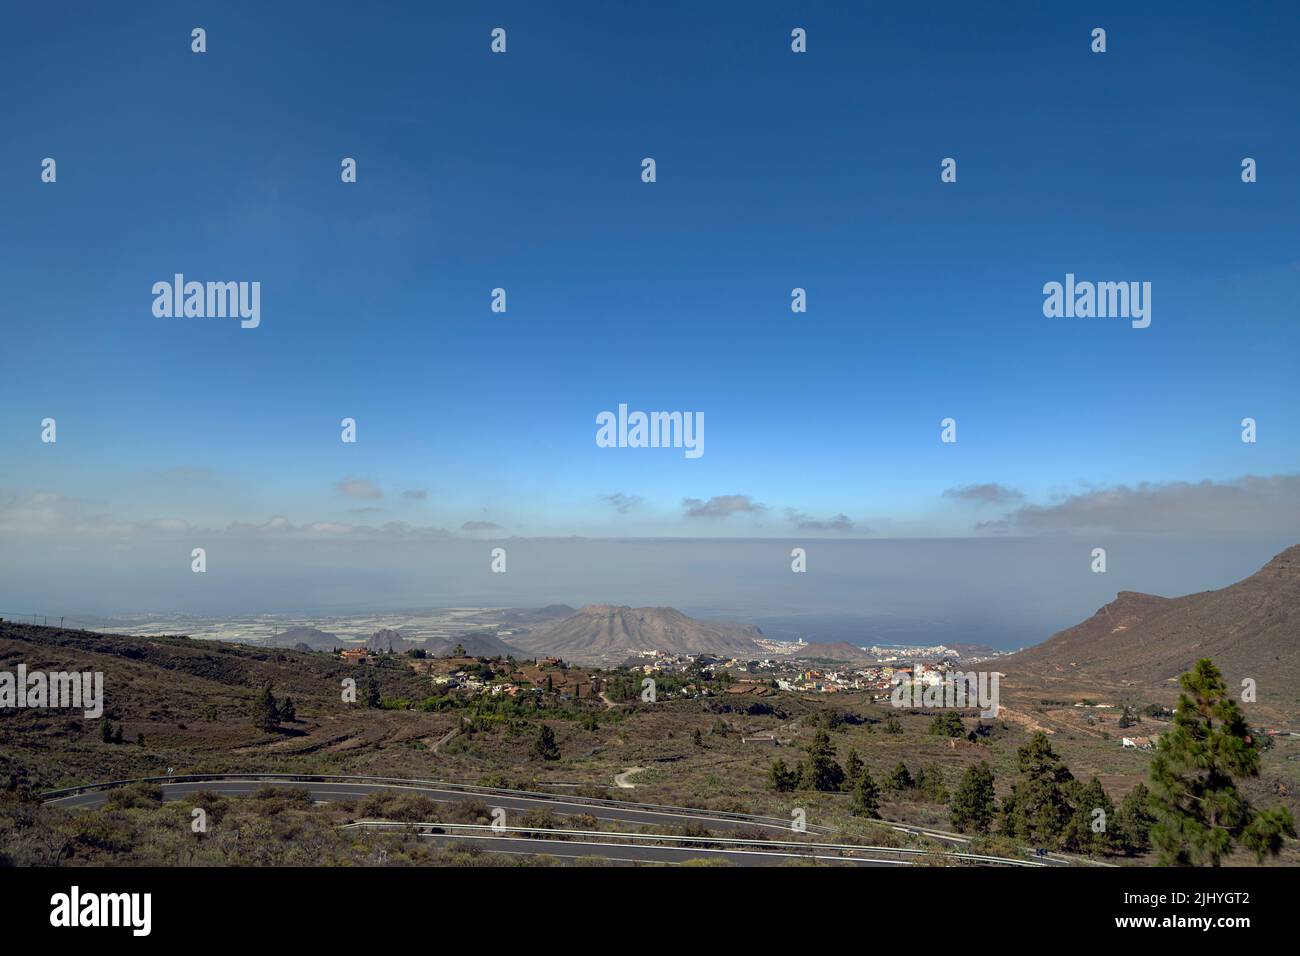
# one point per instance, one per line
(1006, 592)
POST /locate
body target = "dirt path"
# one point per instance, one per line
(446, 737)
(620, 779)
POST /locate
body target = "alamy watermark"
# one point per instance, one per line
(651, 430)
(922, 688)
(61, 689)
(75, 908)
(209, 300)
(1102, 300)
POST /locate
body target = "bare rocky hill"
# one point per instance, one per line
(605, 631)
(1249, 629)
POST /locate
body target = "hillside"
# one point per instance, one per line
(1249, 629)
(607, 632)
(191, 701)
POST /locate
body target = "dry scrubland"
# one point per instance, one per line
(191, 701)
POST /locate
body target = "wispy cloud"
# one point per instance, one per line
(989, 493)
(480, 526)
(623, 503)
(1246, 505)
(50, 513)
(359, 488)
(721, 506)
(415, 494)
(840, 522)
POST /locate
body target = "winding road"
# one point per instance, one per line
(767, 851)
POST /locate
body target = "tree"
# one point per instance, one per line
(266, 714)
(973, 805)
(782, 778)
(545, 747)
(118, 734)
(458, 650)
(1037, 809)
(866, 797)
(288, 713)
(900, 779)
(930, 784)
(893, 725)
(1133, 820)
(853, 768)
(824, 773)
(106, 731)
(947, 724)
(139, 739)
(373, 698)
(1199, 813)
(697, 738)
(1089, 831)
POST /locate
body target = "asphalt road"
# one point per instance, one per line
(332, 792)
(624, 853)
(518, 803)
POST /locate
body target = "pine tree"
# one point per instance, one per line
(973, 805)
(288, 713)
(947, 724)
(373, 698)
(1199, 813)
(1037, 809)
(853, 768)
(545, 747)
(1133, 820)
(900, 779)
(866, 796)
(930, 784)
(106, 731)
(266, 715)
(782, 778)
(824, 773)
(1088, 831)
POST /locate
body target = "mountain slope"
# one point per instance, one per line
(474, 643)
(1249, 629)
(607, 631)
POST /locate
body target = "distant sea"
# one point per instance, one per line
(1002, 592)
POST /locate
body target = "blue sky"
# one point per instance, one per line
(775, 170)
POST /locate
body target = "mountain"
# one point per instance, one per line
(313, 638)
(534, 615)
(391, 641)
(600, 632)
(1249, 629)
(475, 643)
